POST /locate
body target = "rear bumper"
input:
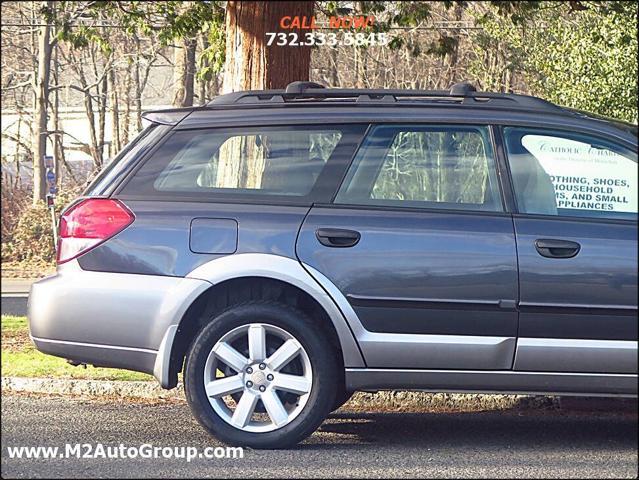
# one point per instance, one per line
(129, 358)
(110, 319)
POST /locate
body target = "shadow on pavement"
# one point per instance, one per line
(604, 424)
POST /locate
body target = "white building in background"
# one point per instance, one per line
(77, 135)
(75, 124)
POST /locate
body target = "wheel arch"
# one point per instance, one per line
(248, 269)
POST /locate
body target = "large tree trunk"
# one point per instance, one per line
(41, 87)
(184, 74)
(250, 64)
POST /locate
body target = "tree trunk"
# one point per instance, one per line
(453, 56)
(126, 130)
(115, 116)
(138, 87)
(96, 153)
(214, 88)
(41, 87)
(103, 92)
(250, 63)
(58, 136)
(184, 74)
(333, 72)
(202, 82)
(359, 56)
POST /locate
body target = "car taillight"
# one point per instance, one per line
(89, 223)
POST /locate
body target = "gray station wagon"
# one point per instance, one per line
(286, 248)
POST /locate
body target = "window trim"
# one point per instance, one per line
(503, 170)
(491, 148)
(389, 208)
(324, 188)
(501, 143)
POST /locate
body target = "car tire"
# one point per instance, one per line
(341, 397)
(305, 411)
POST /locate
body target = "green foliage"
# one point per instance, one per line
(11, 323)
(168, 20)
(581, 57)
(212, 58)
(589, 63)
(391, 14)
(83, 36)
(518, 11)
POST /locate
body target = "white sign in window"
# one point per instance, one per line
(586, 177)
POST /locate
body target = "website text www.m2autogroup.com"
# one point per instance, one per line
(122, 451)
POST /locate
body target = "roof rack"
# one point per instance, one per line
(460, 93)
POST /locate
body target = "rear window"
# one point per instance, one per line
(262, 161)
(113, 173)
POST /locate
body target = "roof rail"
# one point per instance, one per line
(460, 93)
(301, 87)
(462, 89)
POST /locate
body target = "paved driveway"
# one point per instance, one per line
(535, 443)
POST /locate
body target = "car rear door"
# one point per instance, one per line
(576, 236)
(418, 244)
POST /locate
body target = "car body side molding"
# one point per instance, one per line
(501, 382)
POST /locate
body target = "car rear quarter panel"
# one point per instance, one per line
(157, 243)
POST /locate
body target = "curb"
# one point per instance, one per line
(384, 400)
(92, 388)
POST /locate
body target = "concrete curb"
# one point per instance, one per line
(92, 388)
(386, 400)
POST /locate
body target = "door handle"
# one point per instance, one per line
(337, 237)
(557, 248)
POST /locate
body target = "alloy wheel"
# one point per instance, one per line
(258, 377)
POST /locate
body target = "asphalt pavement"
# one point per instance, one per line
(15, 293)
(510, 444)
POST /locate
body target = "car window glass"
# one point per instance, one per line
(284, 162)
(572, 175)
(424, 166)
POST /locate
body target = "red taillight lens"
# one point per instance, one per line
(89, 223)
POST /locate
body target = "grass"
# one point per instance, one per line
(27, 269)
(11, 324)
(20, 358)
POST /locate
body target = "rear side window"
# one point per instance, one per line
(443, 167)
(566, 174)
(271, 161)
(118, 167)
